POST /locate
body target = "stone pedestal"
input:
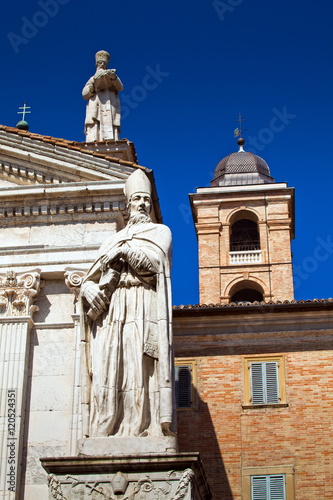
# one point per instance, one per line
(122, 149)
(178, 476)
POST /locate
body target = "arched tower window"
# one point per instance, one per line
(246, 291)
(244, 236)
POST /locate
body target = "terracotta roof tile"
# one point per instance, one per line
(293, 304)
(72, 145)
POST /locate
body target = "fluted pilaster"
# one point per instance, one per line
(16, 309)
(73, 279)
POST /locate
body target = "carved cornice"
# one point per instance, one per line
(17, 293)
(60, 209)
(28, 175)
(208, 227)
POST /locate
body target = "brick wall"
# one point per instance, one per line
(229, 437)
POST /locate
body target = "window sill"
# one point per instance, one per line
(187, 408)
(275, 405)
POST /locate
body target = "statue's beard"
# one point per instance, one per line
(138, 219)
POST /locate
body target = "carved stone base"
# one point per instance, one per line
(151, 477)
(131, 446)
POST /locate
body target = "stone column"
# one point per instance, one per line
(16, 310)
(73, 280)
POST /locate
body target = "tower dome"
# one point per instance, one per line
(241, 168)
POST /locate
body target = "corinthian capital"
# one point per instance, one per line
(17, 293)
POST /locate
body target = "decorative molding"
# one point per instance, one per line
(17, 293)
(119, 485)
(29, 175)
(55, 487)
(73, 280)
(184, 485)
(60, 209)
(208, 227)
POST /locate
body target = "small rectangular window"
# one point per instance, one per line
(268, 487)
(264, 381)
(183, 386)
(185, 380)
(270, 482)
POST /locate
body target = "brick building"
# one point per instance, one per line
(259, 408)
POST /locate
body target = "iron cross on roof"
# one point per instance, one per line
(24, 112)
(238, 131)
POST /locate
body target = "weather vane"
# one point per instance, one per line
(238, 131)
(24, 112)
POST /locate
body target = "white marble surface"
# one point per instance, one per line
(103, 107)
(128, 361)
(131, 446)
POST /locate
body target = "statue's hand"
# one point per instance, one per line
(95, 298)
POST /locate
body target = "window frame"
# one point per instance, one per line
(281, 381)
(287, 470)
(192, 364)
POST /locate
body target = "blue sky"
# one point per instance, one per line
(210, 60)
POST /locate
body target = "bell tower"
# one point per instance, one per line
(244, 223)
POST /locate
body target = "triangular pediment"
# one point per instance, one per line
(45, 176)
(32, 159)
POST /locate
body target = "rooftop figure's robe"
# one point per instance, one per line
(103, 107)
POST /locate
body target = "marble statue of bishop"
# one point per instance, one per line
(127, 320)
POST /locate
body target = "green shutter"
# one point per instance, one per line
(272, 388)
(277, 487)
(257, 383)
(264, 383)
(270, 487)
(259, 488)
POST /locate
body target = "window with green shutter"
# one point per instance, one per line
(268, 487)
(264, 379)
(264, 382)
(268, 482)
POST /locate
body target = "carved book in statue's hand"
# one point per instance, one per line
(105, 80)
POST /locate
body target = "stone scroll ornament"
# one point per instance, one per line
(17, 293)
(126, 318)
(103, 107)
(73, 280)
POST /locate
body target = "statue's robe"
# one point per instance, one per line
(103, 110)
(128, 363)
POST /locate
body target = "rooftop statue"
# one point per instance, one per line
(103, 106)
(127, 321)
